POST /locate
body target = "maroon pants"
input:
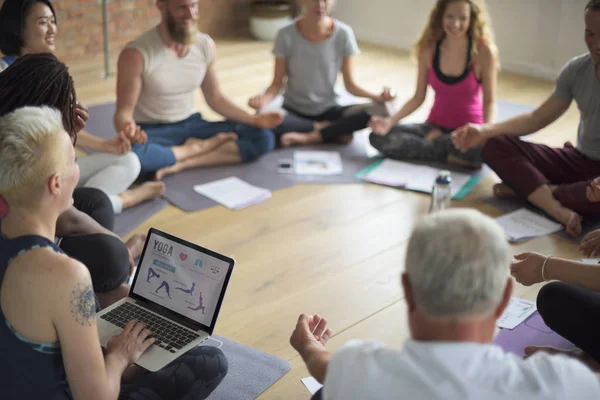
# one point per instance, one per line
(526, 166)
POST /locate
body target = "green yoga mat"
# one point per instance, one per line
(464, 190)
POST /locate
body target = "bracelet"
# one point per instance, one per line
(544, 267)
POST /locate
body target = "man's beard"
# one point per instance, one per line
(179, 34)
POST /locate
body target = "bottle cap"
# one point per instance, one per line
(444, 177)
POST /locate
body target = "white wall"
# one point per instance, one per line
(534, 37)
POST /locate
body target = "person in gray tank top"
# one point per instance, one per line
(309, 54)
(560, 181)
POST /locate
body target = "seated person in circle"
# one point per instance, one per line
(457, 58)
(158, 76)
(30, 27)
(309, 54)
(456, 285)
(48, 333)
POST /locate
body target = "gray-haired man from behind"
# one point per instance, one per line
(456, 285)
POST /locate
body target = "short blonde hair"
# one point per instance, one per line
(30, 152)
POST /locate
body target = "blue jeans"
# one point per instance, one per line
(156, 153)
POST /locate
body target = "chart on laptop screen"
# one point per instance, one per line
(180, 278)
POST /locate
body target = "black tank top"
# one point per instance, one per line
(28, 370)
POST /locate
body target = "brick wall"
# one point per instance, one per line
(80, 23)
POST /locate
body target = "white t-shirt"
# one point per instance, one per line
(451, 370)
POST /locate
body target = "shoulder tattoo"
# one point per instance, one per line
(83, 304)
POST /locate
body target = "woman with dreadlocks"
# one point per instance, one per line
(84, 230)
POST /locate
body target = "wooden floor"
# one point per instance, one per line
(336, 250)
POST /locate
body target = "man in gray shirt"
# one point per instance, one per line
(554, 179)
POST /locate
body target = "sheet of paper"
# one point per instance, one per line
(317, 163)
(523, 224)
(233, 192)
(415, 177)
(311, 384)
(590, 260)
(518, 310)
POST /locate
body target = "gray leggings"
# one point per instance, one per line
(194, 375)
(407, 142)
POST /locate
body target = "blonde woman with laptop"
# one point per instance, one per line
(48, 332)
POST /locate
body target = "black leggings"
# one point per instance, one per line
(574, 313)
(105, 256)
(341, 124)
(194, 375)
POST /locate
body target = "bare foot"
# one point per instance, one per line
(502, 191)
(345, 139)
(161, 173)
(432, 135)
(321, 124)
(135, 244)
(202, 146)
(296, 139)
(146, 191)
(573, 226)
(575, 353)
(530, 350)
(452, 159)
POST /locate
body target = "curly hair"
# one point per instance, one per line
(39, 79)
(479, 27)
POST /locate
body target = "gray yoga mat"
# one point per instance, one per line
(251, 371)
(132, 217)
(515, 203)
(508, 110)
(180, 186)
(355, 157)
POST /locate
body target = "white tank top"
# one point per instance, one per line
(169, 83)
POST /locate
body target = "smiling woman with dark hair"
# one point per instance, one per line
(26, 26)
(29, 27)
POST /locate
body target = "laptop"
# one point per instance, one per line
(177, 290)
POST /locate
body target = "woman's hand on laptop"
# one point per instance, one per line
(131, 343)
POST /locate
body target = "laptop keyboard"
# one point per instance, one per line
(168, 335)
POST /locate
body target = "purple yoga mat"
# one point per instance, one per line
(532, 332)
(100, 122)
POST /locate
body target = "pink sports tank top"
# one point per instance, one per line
(458, 99)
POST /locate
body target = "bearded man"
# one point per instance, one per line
(158, 74)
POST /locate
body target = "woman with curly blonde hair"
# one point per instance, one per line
(457, 57)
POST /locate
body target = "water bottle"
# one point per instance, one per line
(441, 195)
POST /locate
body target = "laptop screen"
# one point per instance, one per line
(182, 277)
